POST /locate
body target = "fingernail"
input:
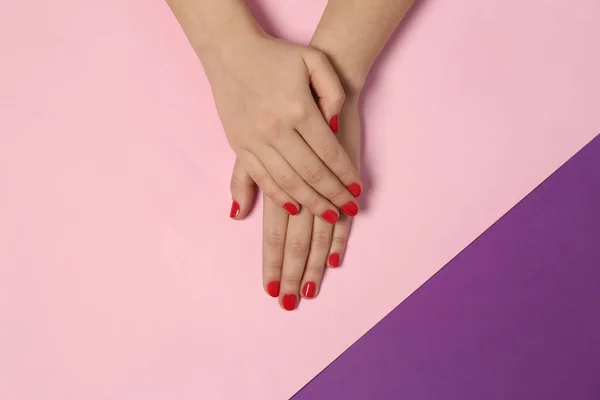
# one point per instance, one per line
(330, 216)
(290, 208)
(273, 289)
(350, 208)
(334, 260)
(355, 189)
(309, 289)
(289, 302)
(335, 123)
(235, 209)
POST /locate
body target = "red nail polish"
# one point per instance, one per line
(290, 208)
(273, 288)
(330, 216)
(355, 189)
(350, 208)
(335, 123)
(334, 260)
(289, 302)
(235, 209)
(309, 290)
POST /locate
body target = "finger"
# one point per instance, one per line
(339, 241)
(326, 147)
(242, 192)
(326, 85)
(275, 221)
(264, 180)
(288, 179)
(312, 170)
(320, 244)
(297, 245)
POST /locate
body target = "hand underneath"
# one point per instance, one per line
(265, 90)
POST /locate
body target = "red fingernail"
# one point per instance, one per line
(334, 260)
(335, 123)
(355, 189)
(309, 289)
(289, 302)
(290, 208)
(330, 216)
(273, 289)
(350, 208)
(235, 209)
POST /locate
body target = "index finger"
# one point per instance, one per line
(318, 135)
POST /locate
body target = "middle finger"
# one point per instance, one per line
(315, 173)
(317, 257)
(297, 245)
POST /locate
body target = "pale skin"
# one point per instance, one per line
(262, 90)
(346, 43)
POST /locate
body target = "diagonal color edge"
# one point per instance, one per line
(514, 315)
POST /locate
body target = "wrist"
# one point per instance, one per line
(351, 72)
(229, 38)
(218, 30)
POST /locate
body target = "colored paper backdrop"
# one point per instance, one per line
(513, 316)
(121, 276)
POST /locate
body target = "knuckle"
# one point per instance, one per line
(270, 193)
(298, 110)
(339, 97)
(274, 240)
(236, 182)
(269, 126)
(262, 180)
(314, 205)
(291, 280)
(338, 194)
(321, 240)
(347, 174)
(287, 182)
(330, 155)
(297, 249)
(273, 267)
(339, 241)
(275, 134)
(315, 271)
(257, 177)
(314, 174)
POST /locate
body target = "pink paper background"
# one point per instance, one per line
(121, 275)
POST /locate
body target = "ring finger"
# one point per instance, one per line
(289, 180)
(317, 256)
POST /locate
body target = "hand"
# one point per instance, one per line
(262, 89)
(297, 248)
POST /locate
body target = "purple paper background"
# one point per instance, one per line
(516, 315)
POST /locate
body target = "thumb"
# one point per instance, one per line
(242, 192)
(326, 85)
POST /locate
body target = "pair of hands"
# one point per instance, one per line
(297, 249)
(275, 100)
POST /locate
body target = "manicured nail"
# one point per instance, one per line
(273, 288)
(350, 208)
(335, 124)
(334, 260)
(290, 208)
(355, 189)
(289, 302)
(235, 209)
(309, 290)
(330, 216)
